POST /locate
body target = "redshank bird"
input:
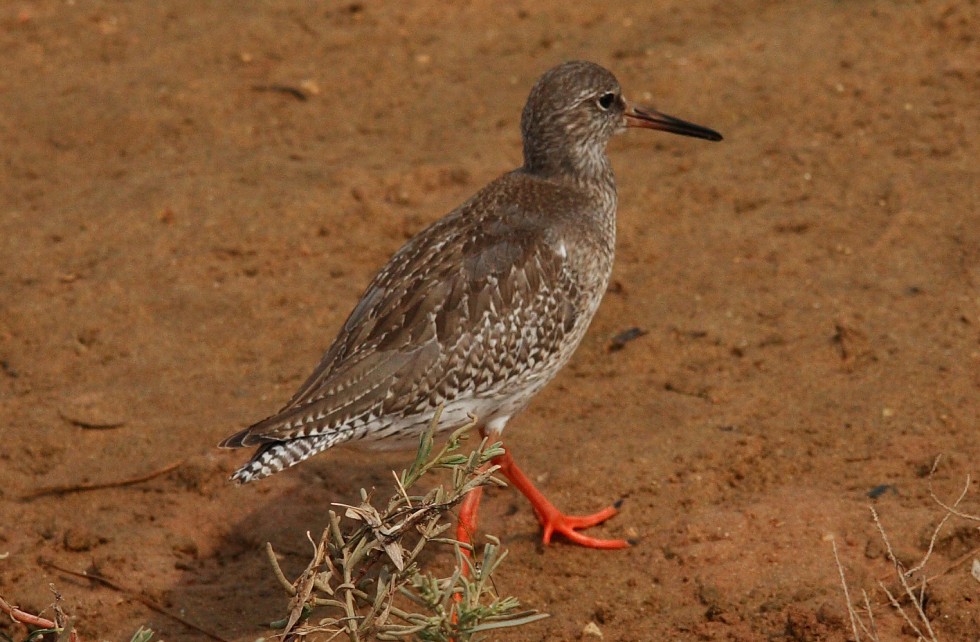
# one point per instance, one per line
(480, 310)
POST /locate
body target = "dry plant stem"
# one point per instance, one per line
(922, 627)
(871, 617)
(905, 585)
(28, 619)
(898, 607)
(932, 545)
(302, 588)
(78, 488)
(68, 632)
(847, 595)
(959, 560)
(952, 509)
(349, 601)
(145, 601)
(286, 584)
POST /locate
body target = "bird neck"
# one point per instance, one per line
(585, 166)
(593, 183)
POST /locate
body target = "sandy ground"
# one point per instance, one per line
(181, 242)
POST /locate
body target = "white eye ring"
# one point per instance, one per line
(606, 100)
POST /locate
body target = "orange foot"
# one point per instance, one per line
(553, 520)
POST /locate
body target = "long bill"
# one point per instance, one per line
(652, 119)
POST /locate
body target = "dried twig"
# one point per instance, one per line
(951, 510)
(873, 633)
(274, 561)
(61, 624)
(970, 554)
(902, 578)
(78, 488)
(919, 622)
(147, 602)
(29, 619)
(847, 594)
(901, 611)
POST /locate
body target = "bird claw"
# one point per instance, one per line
(567, 526)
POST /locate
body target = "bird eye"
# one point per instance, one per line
(606, 100)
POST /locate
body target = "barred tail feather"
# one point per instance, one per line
(279, 455)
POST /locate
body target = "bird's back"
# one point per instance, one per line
(477, 312)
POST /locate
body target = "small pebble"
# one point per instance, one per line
(592, 630)
(311, 87)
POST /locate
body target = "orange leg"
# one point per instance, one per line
(553, 520)
(465, 530)
(468, 510)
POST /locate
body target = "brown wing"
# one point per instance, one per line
(421, 324)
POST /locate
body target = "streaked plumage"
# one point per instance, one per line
(481, 309)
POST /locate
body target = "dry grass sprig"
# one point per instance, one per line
(903, 579)
(913, 589)
(365, 572)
